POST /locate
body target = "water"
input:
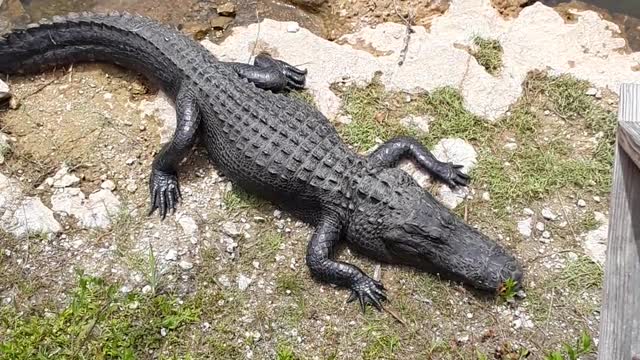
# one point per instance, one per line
(622, 7)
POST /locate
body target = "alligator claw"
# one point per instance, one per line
(296, 78)
(164, 192)
(453, 176)
(368, 292)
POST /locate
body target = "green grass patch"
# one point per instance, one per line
(289, 283)
(98, 322)
(488, 53)
(238, 199)
(543, 162)
(381, 347)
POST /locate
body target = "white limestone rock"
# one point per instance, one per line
(95, 212)
(23, 216)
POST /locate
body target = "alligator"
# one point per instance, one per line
(281, 149)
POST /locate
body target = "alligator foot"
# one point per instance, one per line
(165, 192)
(268, 73)
(391, 152)
(296, 78)
(368, 292)
(451, 174)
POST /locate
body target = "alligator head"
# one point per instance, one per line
(412, 228)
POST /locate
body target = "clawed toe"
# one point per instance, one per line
(164, 193)
(368, 292)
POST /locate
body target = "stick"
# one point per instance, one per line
(255, 45)
(407, 35)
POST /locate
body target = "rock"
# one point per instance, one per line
(224, 281)
(546, 234)
(538, 38)
(525, 227)
(420, 123)
(131, 186)
(310, 4)
(594, 242)
(185, 265)
(188, 225)
(486, 196)
(528, 212)
(63, 179)
(243, 282)
(591, 91)
(226, 9)
(548, 214)
(231, 229)
(5, 147)
(597, 199)
(94, 212)
(108, 185)
(581, 203)
(293, 28)
(220, 23)
(4, 91)
(458, 152)
(540, 226)
(277, 214)
(162, 108)
(131, 161)
(23, 216)
(171, 255)
(511, 146)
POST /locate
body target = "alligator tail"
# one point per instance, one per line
(132, 41)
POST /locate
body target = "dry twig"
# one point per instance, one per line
(408, 20)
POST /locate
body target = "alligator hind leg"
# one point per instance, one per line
(391, 152)
(270, 74)
(322, 267)
(164, 188)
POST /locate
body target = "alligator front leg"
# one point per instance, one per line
(270, 74)
(322, 267)
(164, 188)
(391, 152)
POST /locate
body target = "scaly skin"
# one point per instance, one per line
(279, 148)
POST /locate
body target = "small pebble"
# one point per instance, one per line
(548, 214)
(591, 92)
(582, 203)
(540, 226)
(546, 235)
(185, 265)
(597, 199)
(171, 255)
(130, 161)
(108, 185)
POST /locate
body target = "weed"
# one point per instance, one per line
(289, 284)
(581, 274)
(285, 352)
(382, 347)
(238, 199)
(508, 290)
(583, 346)
(488, 53)
(98, 322)
(305, 96)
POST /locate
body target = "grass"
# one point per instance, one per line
(98, 322)
(238, 199)
(543, 162)
(488, 53)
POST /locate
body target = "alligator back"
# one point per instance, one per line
(273, 145)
